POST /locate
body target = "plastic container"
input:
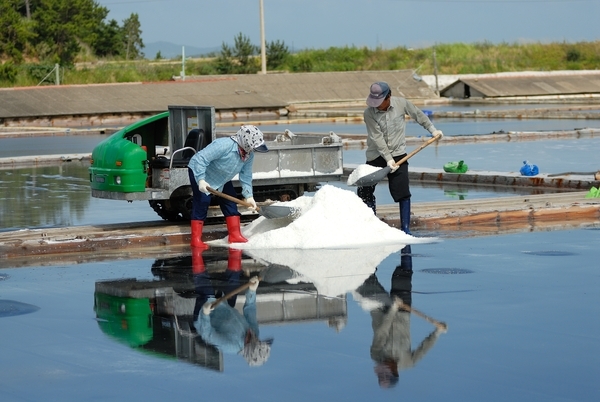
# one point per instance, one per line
(529, 169)
(456, 167)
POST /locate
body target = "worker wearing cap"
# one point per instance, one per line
(214, 167)
(386, 144)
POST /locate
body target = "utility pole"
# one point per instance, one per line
(182, 63)
(263, 53)
(435, 72)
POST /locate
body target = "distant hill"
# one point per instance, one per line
(171, 50)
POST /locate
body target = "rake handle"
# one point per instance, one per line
(230, 198)
(230, 294)
(418, 149)
(439, 324)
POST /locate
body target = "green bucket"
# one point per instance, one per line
(456, 167)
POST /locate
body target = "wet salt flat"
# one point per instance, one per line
(520, 308)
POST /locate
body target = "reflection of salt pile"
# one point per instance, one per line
(333, 272)
(332, 218)
(361, 171)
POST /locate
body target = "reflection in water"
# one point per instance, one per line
(220, 324)
(158, 316)
(391, 348)
(10, 308)
(460, 195)
(43, 196)
(334, 272)
(172, 315)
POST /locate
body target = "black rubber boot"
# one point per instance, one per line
(405, 215)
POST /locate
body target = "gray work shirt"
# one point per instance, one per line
(386, 129)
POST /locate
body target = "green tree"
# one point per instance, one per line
(15, 30)
(109, 40)
(224, 61)
(61, 25)
(132, 37)
(243, 52)
(238, 59)
(277, 54)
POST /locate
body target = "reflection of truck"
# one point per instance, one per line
(154, 315)
(148, 161)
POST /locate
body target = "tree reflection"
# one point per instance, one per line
(44, 196)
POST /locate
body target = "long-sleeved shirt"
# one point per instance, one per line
(219, 162)
(386, 128)
(391, 339)
(225, 328)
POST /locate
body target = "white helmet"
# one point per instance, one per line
(250, 138)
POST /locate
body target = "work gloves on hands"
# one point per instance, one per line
(250, 200)
(398, 303)
(203, 186)
(392, 165)
(207, 308)
(254, 283)
(436, 133)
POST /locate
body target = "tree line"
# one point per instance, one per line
(58, 31)
(37, 34)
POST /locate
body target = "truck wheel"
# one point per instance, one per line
(185, 208)
(164, 210)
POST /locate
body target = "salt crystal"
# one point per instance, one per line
(361, 171)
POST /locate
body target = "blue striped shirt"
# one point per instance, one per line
(219, 162)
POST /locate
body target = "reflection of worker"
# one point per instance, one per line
(229, 331)
(203, 286)
(391, 347)
(386, 144)
(215, 166)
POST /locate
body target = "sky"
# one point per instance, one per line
(319, 24)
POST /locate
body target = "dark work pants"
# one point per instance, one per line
(397, 181)
(204, 288)
(201, 201)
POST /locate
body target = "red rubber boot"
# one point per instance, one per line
(196, 235)
(197, 260)
(234, 260)
(233, 228)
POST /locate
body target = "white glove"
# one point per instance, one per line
(207, 308)
(436, 133)
(441, 328)
(203, 186)
(250, 200)
(392, 165)
(398, 303)
(254, 283)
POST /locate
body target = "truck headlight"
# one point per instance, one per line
(118, 180)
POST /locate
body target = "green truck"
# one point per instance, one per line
(147, 161)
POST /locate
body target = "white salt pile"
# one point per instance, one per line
(361, 171)
(334, 242)
(332, 218)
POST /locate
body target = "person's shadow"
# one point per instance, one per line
(391, 347)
